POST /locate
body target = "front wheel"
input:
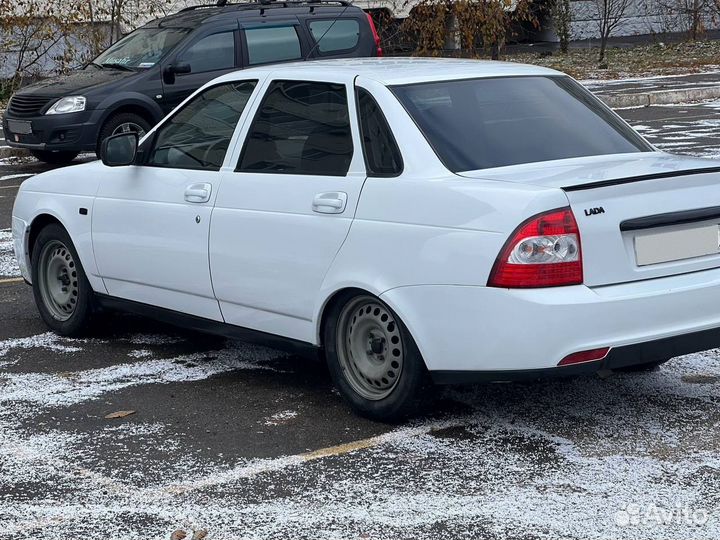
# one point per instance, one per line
(54, 158)
(373, 359)
(62, 292)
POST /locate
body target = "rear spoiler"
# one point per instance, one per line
(642, 178)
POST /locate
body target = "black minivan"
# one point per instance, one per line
(142, 77)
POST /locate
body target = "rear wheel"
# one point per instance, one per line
(54, 158)
(62, 292)
(373, 360)
(123, 123)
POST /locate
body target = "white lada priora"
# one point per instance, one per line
(416, 219)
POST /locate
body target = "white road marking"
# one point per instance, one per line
(15, 176)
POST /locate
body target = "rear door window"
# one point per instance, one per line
(300, 128)
(272, 44)
(335, 35)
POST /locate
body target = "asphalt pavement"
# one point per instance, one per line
(248, 442)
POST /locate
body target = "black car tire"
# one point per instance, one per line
(54, 254)
(54, 158)
(114, 123)
(412, 390)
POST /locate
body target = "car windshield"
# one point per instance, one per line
(483, 123)
(140, 50)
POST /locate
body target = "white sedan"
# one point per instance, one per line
(419, 220)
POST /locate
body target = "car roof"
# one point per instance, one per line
(196, 15)
(394, 70)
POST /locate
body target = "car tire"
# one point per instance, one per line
(122, 123)
(373, 359)
(54, 158)
(639, 368)
(62, 292)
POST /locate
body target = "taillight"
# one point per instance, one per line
(376, 36)
(544, 251)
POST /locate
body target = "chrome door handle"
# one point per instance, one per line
(198, 193)
(332, 202)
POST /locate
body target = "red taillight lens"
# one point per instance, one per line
(544, 251)
(376, 36)
(585, 356)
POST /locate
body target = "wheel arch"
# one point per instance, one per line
(136, 105)
(342, 294)
(38, 223)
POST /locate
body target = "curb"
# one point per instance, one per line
(661, 97)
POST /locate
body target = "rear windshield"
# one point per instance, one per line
(483, 123)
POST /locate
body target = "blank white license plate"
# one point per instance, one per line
(21, 127)
(654, 248)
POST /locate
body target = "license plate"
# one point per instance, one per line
(654, 248)
(21, 127)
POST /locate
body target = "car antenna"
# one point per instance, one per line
(317, 43)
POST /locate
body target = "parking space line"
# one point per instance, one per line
(11, 280)
(260, 466)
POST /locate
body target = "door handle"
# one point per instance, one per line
(332, 202)
(198, 193)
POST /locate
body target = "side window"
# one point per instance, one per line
(274, 44)
(300, 128)
(382, 155)
(211, 53)
(335, 35)
(198, 135)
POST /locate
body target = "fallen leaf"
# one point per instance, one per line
(199, 535)
(178, 535)
(121, 414)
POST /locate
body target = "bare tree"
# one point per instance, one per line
(609, 15)
(562, 17)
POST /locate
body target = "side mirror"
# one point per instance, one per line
(175, 69)
(119, 150)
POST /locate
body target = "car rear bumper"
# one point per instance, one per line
(481, 333)
(74, 132)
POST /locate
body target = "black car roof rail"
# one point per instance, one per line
(267, 4)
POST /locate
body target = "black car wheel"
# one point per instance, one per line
(62, 292)
(54, 158)
(373, 359)
(123, 123)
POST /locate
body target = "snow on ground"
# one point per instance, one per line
(566, 459)
(8, 264)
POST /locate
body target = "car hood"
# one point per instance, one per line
(573, 172)
(74, 82)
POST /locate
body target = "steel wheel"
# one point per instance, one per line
(58, 280)
(369, 348)
(129, 127)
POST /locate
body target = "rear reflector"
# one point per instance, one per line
(585, 356)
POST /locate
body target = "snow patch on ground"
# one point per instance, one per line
(8, 264)
(54, 390)
(48, 340)
(280, 418)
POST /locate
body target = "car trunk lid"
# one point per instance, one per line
(640, 216)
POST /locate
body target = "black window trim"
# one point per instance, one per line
(643, 145)
(316, 48)
(147, 153)
(284, 24)
(258, 108)
(362, 138)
